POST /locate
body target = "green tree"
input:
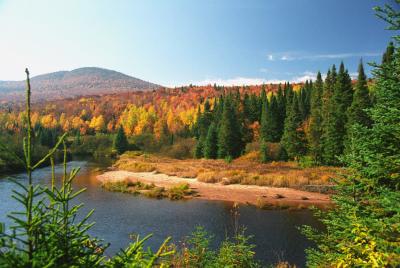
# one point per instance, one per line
(315, 127)
(211, 143)
(229, 136)
(293, 139)
(388, 54)
(281, 101)
(120, 141)
(199, 149)
(362, 229)
(335, 116)
(270, 122)
(358, 111)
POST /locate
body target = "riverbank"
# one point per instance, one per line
(260, 196)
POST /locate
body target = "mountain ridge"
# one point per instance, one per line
(78, 82)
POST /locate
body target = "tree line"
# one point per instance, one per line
(313, 122)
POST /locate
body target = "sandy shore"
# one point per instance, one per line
(245, 194)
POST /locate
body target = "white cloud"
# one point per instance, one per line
(286, 58)
(305, 76)
(237, 81)
(290, 56)
(240, 81)
(353, 75)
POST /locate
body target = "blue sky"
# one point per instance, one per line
(179, 42)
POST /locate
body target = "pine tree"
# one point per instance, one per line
(362, 229)
(262, 102)
(264, 152)
(229, 136)
(280, 98)
(211, 143)
(357, 112)
(388, 54)
(315, 127)
(302, 102)
(293, 139)
(199, 149)
(120, 141)
(270, 122)
(335, 118)
(253, 109)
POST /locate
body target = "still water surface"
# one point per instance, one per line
(118, 215)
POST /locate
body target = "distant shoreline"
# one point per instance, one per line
(260, 196)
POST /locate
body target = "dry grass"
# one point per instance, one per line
(176, 192)
(244, 170)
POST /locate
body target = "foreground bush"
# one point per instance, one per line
(236, 252)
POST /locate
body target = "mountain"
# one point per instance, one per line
(78, 82)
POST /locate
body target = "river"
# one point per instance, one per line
(118, 215)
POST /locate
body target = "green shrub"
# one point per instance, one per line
(156, 192)
(307, 162)
(178, 192)
(196, 252)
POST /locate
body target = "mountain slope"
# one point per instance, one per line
(78, 82)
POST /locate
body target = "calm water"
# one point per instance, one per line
(117, 215)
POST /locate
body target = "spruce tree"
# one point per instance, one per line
(357, 112)
(211, 143)
(293, 139)
(229, 136)
(362, 228)
(199, 149)
(270, 122)
(335, 118)
(388, 54)
(262, 102)
(280, 98)
(264, 152)
(120, 141)
(315, 127)
(254, 109)
(302, 102)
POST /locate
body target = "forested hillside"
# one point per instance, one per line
(78, 82)
(309, 121)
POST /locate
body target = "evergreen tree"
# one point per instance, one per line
(357, 112)
(264, 152)
(270, 122)
(315, 127)
(229, 136)
(280, 98)
(199, 149)
(211, 143)
(362, 229)
(302, 102)
(293, 139)
(388, 54)
(262, 102)
(246, 106)
(254, 109)
(336, 119)
(120, 141)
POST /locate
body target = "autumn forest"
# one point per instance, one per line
(280, 174)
